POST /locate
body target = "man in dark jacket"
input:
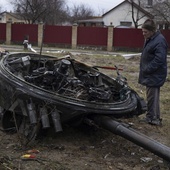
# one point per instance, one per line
(153, 69)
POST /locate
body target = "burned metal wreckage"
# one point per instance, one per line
(39, 92)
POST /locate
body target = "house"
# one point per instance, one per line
(121, 16)
(11, 17)
(160, 10)
(155, 7)
(96, 21)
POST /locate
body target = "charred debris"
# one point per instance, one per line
(40, 92)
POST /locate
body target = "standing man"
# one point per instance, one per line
(153, 69)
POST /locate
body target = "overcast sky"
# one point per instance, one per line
(5, 5)
(99, 6)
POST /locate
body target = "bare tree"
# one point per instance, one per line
(79, 12)
(58, 12)
(50, 11)
(137, 11)
(162, 13)
(135, 18)
(33, 11)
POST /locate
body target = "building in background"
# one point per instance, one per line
(131, 14)
(11, 17)
(120, 16)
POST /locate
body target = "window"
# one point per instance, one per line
(160, 26)
(150, 2)
(167, 26)
(126, 23)
(160, 1)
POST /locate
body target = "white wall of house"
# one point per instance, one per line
(122, 13)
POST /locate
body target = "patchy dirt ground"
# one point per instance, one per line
(92, 149)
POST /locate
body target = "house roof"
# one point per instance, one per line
(14, 15)
(92, 20)
(135, 5)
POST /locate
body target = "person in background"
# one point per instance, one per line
(153, 69)
(25, 43)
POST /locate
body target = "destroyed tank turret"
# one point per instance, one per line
(40, 92)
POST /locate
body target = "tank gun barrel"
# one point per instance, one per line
(134, 136)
